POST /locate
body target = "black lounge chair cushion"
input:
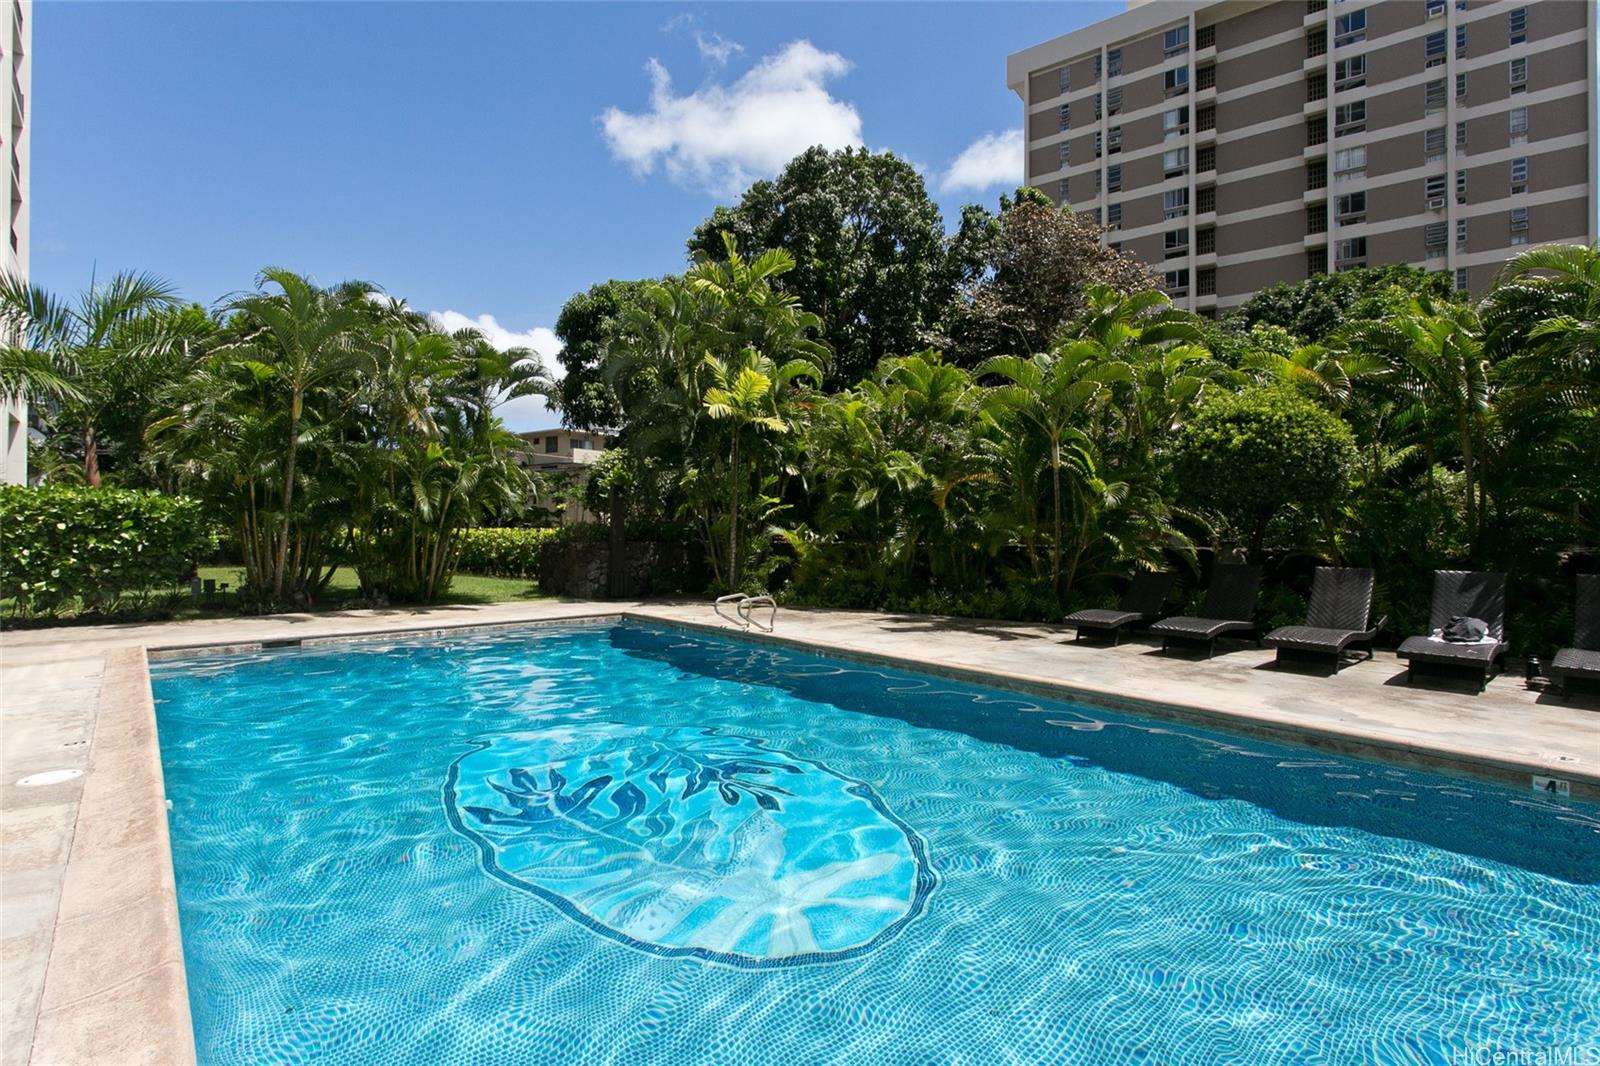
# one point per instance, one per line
(1576, 662)
(1104, 618)
(1314, 638)
(1428, 650)
(1199, 628)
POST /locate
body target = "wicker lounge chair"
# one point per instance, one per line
(1341, 607)
(1464, 593)
(1229, 607)
(1142, 603)
(1582, 660)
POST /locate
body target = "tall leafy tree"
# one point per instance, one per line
(868, 247)
(591, 326)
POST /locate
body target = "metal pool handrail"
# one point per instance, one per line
(743, 605)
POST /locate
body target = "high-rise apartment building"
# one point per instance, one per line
(16, 71)
(1237, 144)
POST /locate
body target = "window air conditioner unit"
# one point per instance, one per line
(1436, 204)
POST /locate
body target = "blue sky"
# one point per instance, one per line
(483, 159)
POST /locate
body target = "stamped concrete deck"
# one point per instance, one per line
(90, 962)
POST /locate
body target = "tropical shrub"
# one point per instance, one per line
(497, 551)
(1247, 456)
(93, 550)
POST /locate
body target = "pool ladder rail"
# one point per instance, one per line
(744, 606)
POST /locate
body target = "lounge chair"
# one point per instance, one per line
(1229, 607)
(1582, 660)
(1341, 607)
(1141, 604)
(1467, 594)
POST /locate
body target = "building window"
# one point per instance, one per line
(1350, 118)
(1519, 175)
(1065, 192)
(1461, 234)
(1205, 118)
(1433, 96)
(550, 444)
(1461, 42)
(1176, 81)
(1433, 49)
(1519, 225)
(1206, 281)
(1175, 42)
(1065, 114)
(1175, 204)
(1461, 88)
(1064, 79)
(1435, 235)
(1114, 177)
(1097, 66)
(1114, 62)
(1349, 73)
(1352, 207)
(1316, 130)
(1433, 145)
(1433, 191)
(1066, 153)
(1461, 279)
(1176, 282)
(1316, 86)
(1349, 29)
(1461, 186)
(1097, 107)
(1114, 140)
(1317, 218)
(1206, 77)
(1316, 42)
(1174, 123)
(1350, 164)
(1350, 253)
(1313, 6)
(1518, 20)
(1206, 36)
(1519, 74)
(1175, 163)
(1316, 262)
(1461, 135)
(1519, 125)
(1317, 174)
(1176, 242)
(1205, 240)
(1114, 216)
(1114, 100)
(1205, 158)
(1206, 199)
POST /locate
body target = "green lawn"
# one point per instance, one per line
(343, 591)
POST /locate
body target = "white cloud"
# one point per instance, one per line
(524, 412)
(722, 137)
(993, 159)
(715, 48)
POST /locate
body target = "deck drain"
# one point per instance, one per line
(49, 777)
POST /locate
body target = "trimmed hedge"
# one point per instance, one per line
(65, 548)
(504, 552)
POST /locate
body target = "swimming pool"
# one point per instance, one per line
(618, 843)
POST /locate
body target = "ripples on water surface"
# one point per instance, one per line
(621, 844)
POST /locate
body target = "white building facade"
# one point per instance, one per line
(16, 44)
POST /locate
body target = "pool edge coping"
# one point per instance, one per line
(82, 1019)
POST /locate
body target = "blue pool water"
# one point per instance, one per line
(622, 844)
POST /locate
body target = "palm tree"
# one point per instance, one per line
(1055, 394)
(746, 395)
(492, 375)
(298, 339)
(72, 352)
(1436, 357)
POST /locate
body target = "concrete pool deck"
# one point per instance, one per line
(90, 958)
